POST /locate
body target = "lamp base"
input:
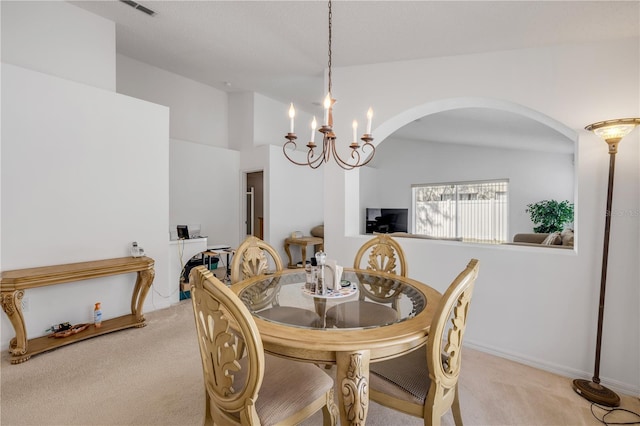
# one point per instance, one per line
(595, 392)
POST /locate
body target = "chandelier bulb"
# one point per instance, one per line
(369, 117)
(292, 115)
(314, 124)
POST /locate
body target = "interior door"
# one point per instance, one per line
(254, 214)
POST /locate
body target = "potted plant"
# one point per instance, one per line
(550, 215)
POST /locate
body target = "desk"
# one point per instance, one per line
(350, 349)
(13, 283)
(218, 251)
(303, 242)
(180, 253)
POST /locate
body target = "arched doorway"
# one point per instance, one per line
(471, 140)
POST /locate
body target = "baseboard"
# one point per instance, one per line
(572, 373)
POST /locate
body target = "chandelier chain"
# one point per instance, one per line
(360, 156)
(329, 62)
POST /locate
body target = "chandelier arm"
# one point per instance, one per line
(328, 147)
(365, 146)
(309, 155)
(314, 164)
(284, 151)
(355, 155)
(346, 165)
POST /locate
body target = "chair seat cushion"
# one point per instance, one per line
(287, 387)
(405, 377)
(359, 313)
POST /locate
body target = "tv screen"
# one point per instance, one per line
(386, 221)
(183, 232)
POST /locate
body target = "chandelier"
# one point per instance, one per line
(328, 136)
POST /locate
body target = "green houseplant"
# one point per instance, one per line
(550, 215)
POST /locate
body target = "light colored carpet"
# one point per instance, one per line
(153, 376)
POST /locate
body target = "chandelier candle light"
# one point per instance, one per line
(612, 131)
(328, 136)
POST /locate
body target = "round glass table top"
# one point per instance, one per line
(368, 300)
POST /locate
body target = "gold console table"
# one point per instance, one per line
(13, 283)
(303, 242)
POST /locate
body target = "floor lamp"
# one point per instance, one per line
(612, 131)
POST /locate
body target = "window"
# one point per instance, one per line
(471, 211)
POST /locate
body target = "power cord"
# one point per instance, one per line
(608, 411)
(154, 291)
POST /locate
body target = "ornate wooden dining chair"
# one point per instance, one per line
(427, 386)
(257, 388)
(252, 258)
(383, 254)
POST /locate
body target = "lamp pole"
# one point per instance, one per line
(612, 131)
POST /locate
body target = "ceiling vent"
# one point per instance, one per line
(139, 7)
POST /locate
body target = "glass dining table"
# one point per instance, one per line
(371, 316)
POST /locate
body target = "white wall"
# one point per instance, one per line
(84, 170)
(0, 148)
(533, 175)
(207, 183)
(204, 189)
(204, 184)
(271, 123)
(530, 304)
(59, 39)
(82, 178)
(293, 195)
(198, 111)
(241, 120)
(295, 200)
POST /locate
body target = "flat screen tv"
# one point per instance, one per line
(386, 221)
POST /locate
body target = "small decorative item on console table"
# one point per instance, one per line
(13, 283)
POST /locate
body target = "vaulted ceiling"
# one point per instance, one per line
(279, 48)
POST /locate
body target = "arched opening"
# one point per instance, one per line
(470, 140)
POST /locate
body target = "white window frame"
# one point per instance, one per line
(490, 225)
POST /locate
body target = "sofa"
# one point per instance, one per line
(423, 237)
(562, 239)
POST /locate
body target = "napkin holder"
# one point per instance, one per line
(336, 274)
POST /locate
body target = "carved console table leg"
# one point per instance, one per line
(143, 284)
(12, 306)
(287, 250)
(352, 377)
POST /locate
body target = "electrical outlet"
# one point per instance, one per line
(25, 304)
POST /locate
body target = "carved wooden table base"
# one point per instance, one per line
(352, 377)
(350, 349)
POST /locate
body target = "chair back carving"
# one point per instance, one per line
(427, 386)
(447, 332)
(384, 254)
(231, 381)
(251, 259)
